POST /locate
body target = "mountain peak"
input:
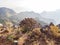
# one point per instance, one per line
(4, 10)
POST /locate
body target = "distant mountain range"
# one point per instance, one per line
(53, 15)
(9, 14)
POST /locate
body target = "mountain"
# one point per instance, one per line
(40, 21)
(11, 15)
(37, 16)
(6, 13)
(53, 15)
(23, 15)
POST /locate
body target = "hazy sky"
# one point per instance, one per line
(33, 5)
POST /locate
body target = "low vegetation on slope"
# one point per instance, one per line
(29, 32)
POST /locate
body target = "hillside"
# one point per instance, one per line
(6, 13)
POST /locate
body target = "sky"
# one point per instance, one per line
(32, 5)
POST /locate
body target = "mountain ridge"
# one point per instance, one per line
(9, 14)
